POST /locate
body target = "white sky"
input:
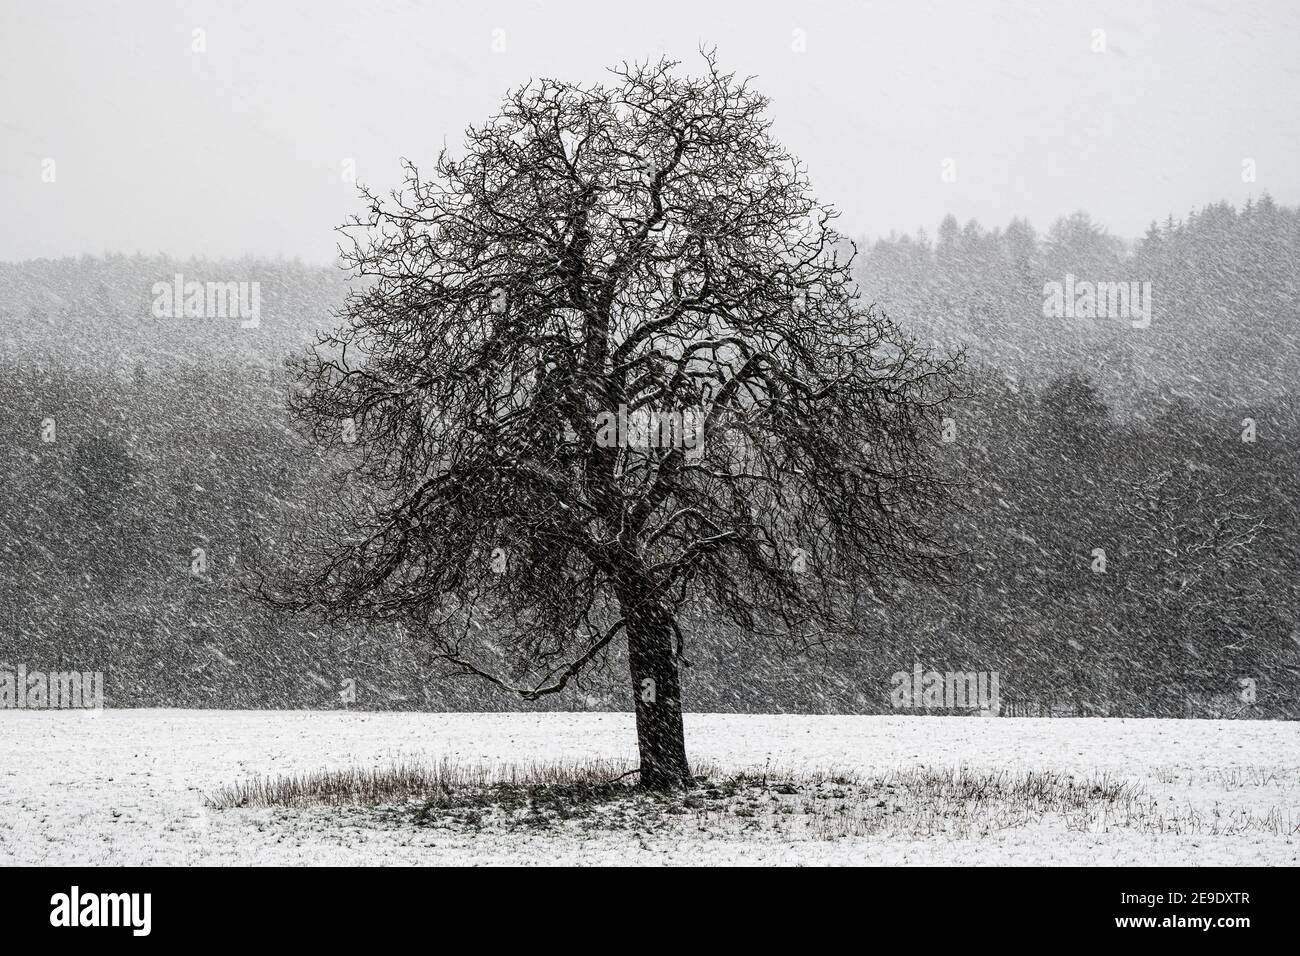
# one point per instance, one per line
(239, 149)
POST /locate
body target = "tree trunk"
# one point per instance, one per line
(657, 694)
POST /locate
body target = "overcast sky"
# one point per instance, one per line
(240, 148)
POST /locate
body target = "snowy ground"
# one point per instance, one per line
(126, 787)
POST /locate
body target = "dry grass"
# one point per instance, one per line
(404, 781)
(1231, 778)
(602, 796)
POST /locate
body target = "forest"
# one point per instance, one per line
(1121, 514)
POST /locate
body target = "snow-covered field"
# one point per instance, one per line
(126, 787)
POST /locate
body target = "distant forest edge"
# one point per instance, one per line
(1172, 449)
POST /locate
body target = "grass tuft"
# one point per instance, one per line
(602, 796)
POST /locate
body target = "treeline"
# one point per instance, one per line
(1133, 566)
(1124, 500)
(1224, 284)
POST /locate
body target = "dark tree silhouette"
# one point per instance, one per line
(643, 247)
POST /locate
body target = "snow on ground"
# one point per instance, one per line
(126, 787)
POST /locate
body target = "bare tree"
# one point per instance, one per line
(609, 361)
